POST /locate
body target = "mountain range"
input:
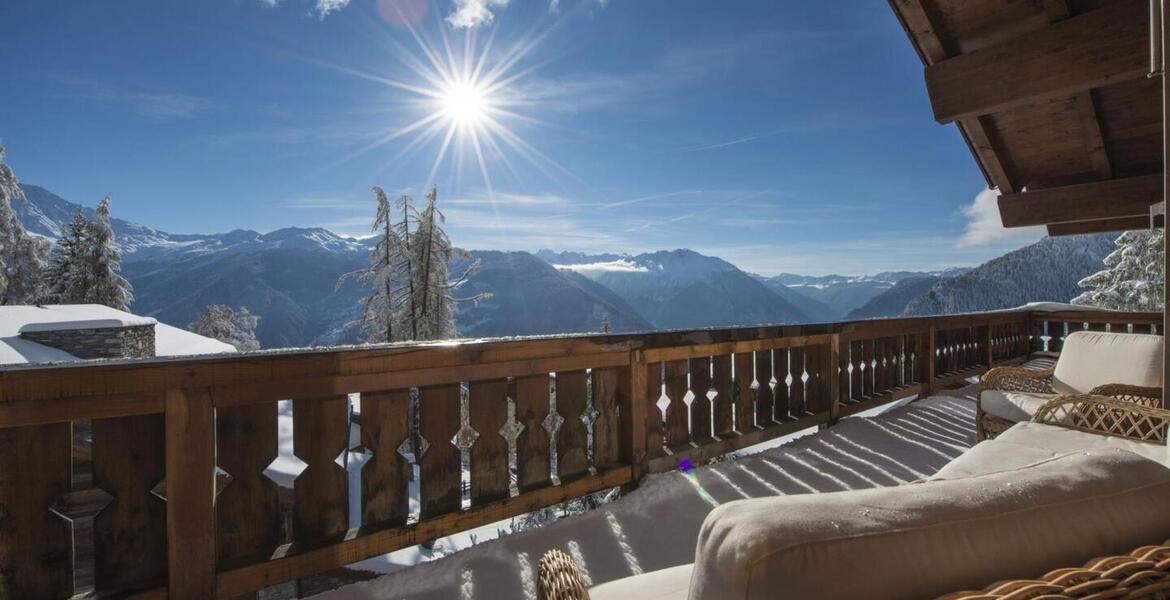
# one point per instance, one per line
(289, 278)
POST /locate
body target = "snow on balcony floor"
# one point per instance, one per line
(656, 526)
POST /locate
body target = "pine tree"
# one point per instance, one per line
(100, 280)
(1134, 276)
(22, 256)
(389, 268)
(432, 300)
(63, 276)
(237, 328)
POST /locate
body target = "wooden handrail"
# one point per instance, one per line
(655, 400)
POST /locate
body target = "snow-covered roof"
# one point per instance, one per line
(168, 340)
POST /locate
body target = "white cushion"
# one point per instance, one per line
(1092, 358)
(1028, 444)
(664, 584)
(1013, 406)
(926, 539)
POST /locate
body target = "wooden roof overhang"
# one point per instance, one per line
(1055, 101)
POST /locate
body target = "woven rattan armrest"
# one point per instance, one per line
(1017, 379)
(1146, 396)
(1105, 416)
(559, 578)
(1143, 573)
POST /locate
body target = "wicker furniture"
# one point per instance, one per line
(1119, 365)
(1142, 574)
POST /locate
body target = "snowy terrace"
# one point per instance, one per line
(309, 491)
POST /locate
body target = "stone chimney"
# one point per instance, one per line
(98, 338)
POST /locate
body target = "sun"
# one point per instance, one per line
(468, 103)
(464, 104)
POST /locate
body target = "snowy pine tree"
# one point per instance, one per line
(22, 256)
(100, 280)
(389, 268)
(237, 327)
(1134, 276)
(412, 295)
(431, 290)
(63, 276)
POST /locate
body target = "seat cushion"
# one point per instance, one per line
(664, 584)
(1013, 406)
(1092, 358)
(926, 539)
(1028, 444)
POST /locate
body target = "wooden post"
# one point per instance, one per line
(931, 363)
(834, 363)
(1158, 30)
(632, 391)
(988, 341)
(190, 431)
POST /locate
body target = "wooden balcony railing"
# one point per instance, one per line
(178, 503)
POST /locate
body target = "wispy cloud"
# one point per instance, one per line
(163, 106)
(469, 14)
(269, 3)
(324, 7)
(984, 227)
(508, 199)
(615, 266)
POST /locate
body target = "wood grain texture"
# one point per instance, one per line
(319, 560)
(248, 523)
(745, 407)
(130, 543)
(386, 476)
(573, 437)
(701, 406)
(320, 435)
(781, 394)
(763, 389)
(440, 476)
(1097, 201)
(35, 545)
(1090, 50)
(607, 429)
(488, 411)
(190, 469)
(722, 382)
(797, 407)
(676, 418)
(651, 419)
(856, 388)
(532, 447)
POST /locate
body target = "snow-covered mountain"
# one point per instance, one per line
(1047, 271)
(843, 294)
(529, 297)
(288, 278)
(682, 288)
(892, 301)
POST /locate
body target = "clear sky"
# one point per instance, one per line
(780, 135)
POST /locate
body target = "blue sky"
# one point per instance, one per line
(782, 136)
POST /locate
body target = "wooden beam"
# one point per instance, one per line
(1097, 48)
(1094, 140)
(190, 431)
(1129, 197)
(933, 47)
(1102, 226)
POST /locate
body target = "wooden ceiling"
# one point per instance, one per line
(1054, 100)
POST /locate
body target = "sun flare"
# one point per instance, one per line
(464, 104)
(470, 105)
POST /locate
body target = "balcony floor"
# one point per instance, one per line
(656, 526)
